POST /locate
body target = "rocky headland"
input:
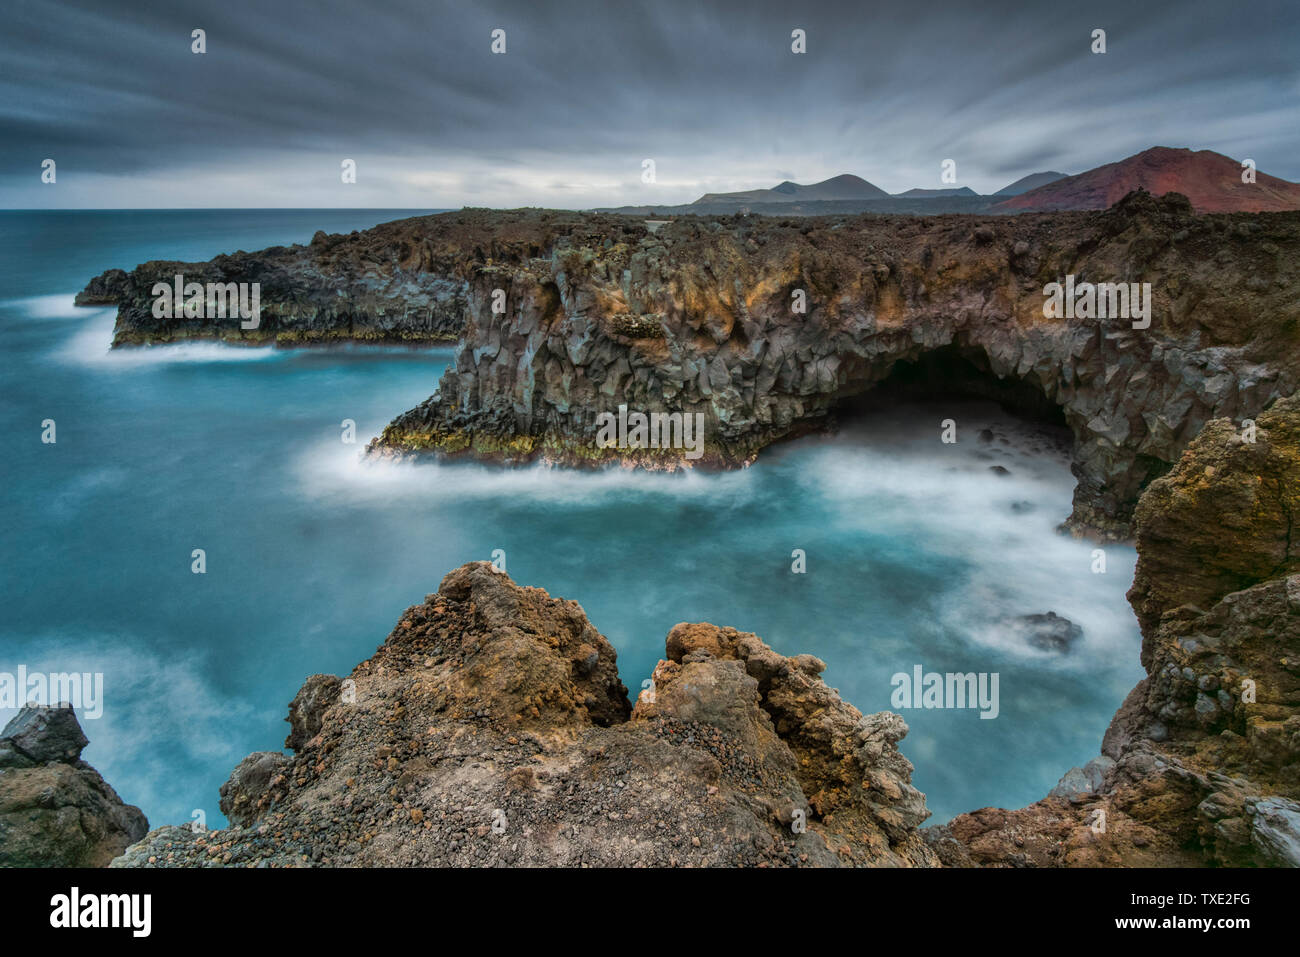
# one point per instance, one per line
(767, 327)
(703, 318)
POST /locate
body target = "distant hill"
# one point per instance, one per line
(843, 187)
(889, 206)
(934, 193)
(1032, 181)
(1210, 180)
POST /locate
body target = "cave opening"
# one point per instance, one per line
(960, 373)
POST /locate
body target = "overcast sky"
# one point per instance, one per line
(585, 92)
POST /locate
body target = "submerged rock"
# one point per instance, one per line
(1046, 632)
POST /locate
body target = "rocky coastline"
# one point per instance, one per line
(766, 327)
(491, 726)
(1201, 764)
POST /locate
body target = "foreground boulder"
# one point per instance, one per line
(55, 809)
(1201, 764)
(491, 728)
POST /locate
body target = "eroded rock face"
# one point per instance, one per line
(403, 282)
(701, 317)
(491, 728)
(307, 708)
(857, 782)
(563, 316)
(55, 809)
(244, 796)
(1224, 518)
(1201, 764)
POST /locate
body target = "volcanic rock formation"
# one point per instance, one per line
(1201, 764)
(491, 728)
(766, 326)
(1211, 181)
(703, 318)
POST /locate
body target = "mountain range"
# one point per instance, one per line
(1211, 181)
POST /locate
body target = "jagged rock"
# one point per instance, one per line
(43, 734)
(1222, 519)
(1085, 780)
(241, 796)
(491, 728)
(307, 707)
(1275, 830)
(849, 765)
(106, 289)
(55, 809)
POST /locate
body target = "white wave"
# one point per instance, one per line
(59, 306)
(895, 477)
(91, 346)
(338, 472)
(889, 477)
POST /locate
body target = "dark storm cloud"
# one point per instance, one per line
(586, 90)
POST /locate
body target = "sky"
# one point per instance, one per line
(585, 93)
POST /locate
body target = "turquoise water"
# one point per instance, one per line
(915, 549)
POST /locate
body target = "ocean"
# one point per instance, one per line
(914, 552)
